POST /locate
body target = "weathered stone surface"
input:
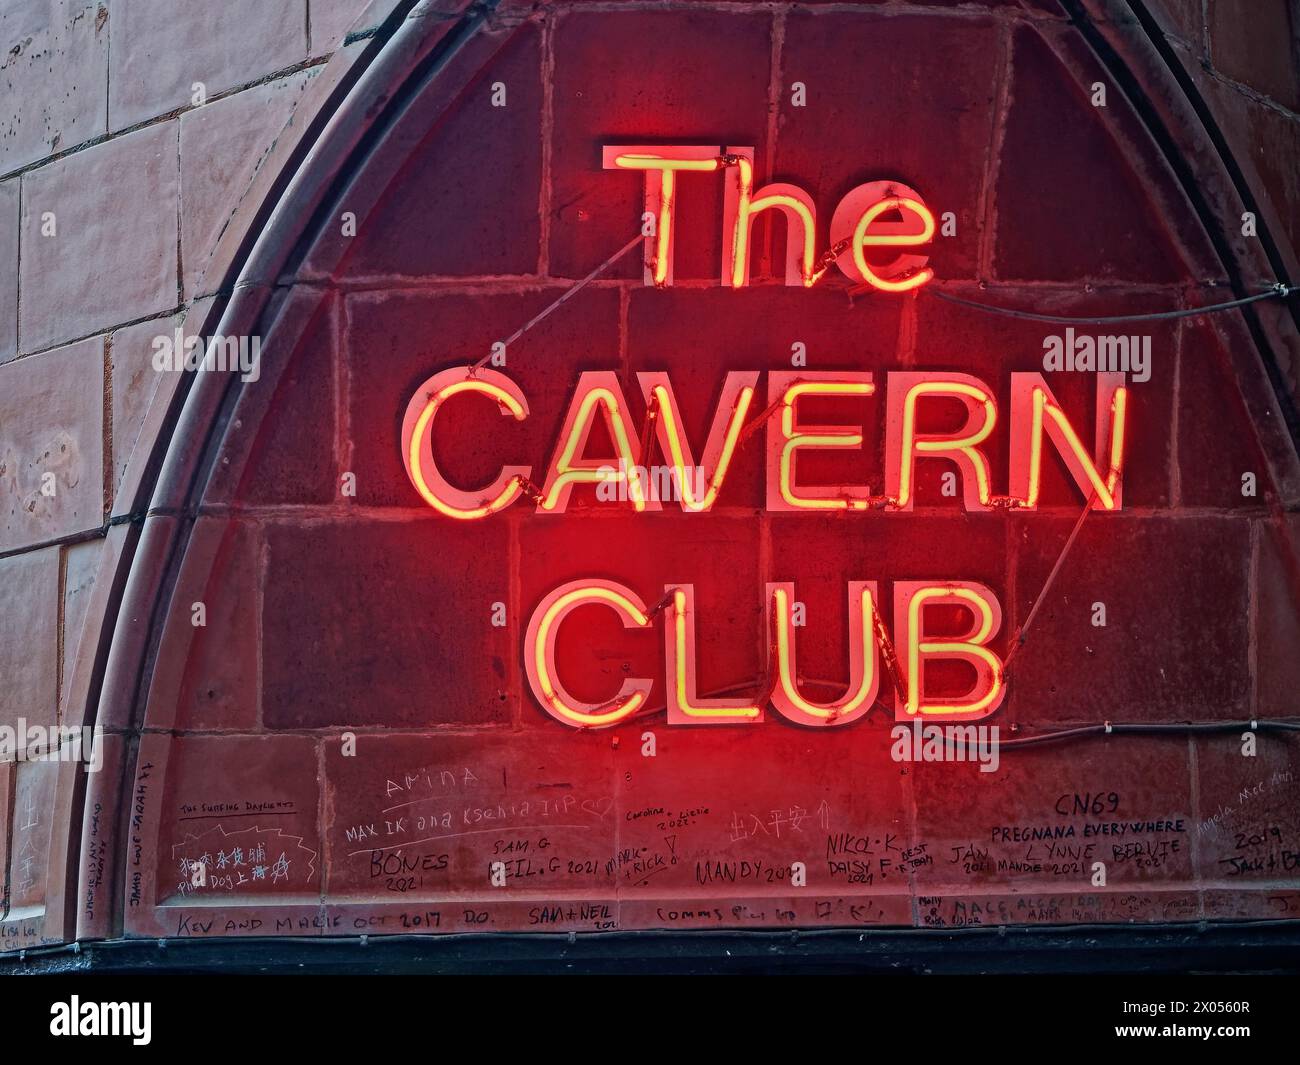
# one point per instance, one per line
(482, 165)
(709, 85)
(135, 382)
(1277, 617)
(29, 637)
(161, 52)
(53, 77)
(861, 75)
(1100, 202)
(1257, 48)
(52, 424)
(1175, 643)
(80, 568)
(377, 615)
(8, 269)
(93, 256)
(329, 21)
(334, 650)
(222, 145)
(34, 818)
(142, 396)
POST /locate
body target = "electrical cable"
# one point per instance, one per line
(1275, 291)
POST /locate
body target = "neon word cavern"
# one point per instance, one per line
(1036, 417)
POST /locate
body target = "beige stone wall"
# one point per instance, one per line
(115, 184)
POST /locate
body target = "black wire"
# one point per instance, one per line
(1180, 727)
(1278, 291)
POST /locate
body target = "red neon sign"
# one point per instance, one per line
(877, 215)
(874, 218)
(1035, 416)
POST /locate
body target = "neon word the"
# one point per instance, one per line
(664, 483)
(878, 216)
(917, 647)
(699, 473)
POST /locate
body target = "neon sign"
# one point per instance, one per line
(685, 706)
(1036, 418)
(879, 215)
(870, 222)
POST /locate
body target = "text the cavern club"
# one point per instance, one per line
(874, 232)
